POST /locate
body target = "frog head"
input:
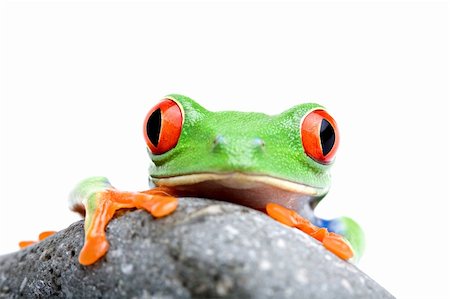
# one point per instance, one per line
(245, 157)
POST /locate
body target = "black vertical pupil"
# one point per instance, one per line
(154, 127)
(327, 137)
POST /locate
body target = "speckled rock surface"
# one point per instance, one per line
(206, 249)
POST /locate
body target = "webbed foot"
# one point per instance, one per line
(331, 241)
(101, 206)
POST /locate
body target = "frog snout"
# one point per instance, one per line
(237, 153)
(222, 143)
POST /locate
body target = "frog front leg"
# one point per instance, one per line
(99, 200)
(331, 241)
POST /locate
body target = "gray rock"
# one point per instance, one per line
(206, 249)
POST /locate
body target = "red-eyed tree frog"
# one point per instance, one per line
(276, 164)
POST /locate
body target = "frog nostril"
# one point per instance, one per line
(259, 143)
(219, 140)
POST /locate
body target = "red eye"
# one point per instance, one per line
(320, 136)
(162, 126)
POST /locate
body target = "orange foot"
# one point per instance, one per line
(102, 206)
(42, 236)
(331, 241)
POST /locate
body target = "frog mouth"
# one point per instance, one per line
(251, 190)
(238, 180)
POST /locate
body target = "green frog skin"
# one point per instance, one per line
(276, 164)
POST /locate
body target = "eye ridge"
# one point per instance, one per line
(154, 127)
(327, 136)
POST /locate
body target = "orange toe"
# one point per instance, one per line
(338, 245)
(164, 206)
(319, 234)
(306, 226)
(281, 214)
(93, 249)
(24, 244)
(159, 191)
(46, 234)
(157, 205)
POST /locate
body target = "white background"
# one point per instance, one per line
(78, 78)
